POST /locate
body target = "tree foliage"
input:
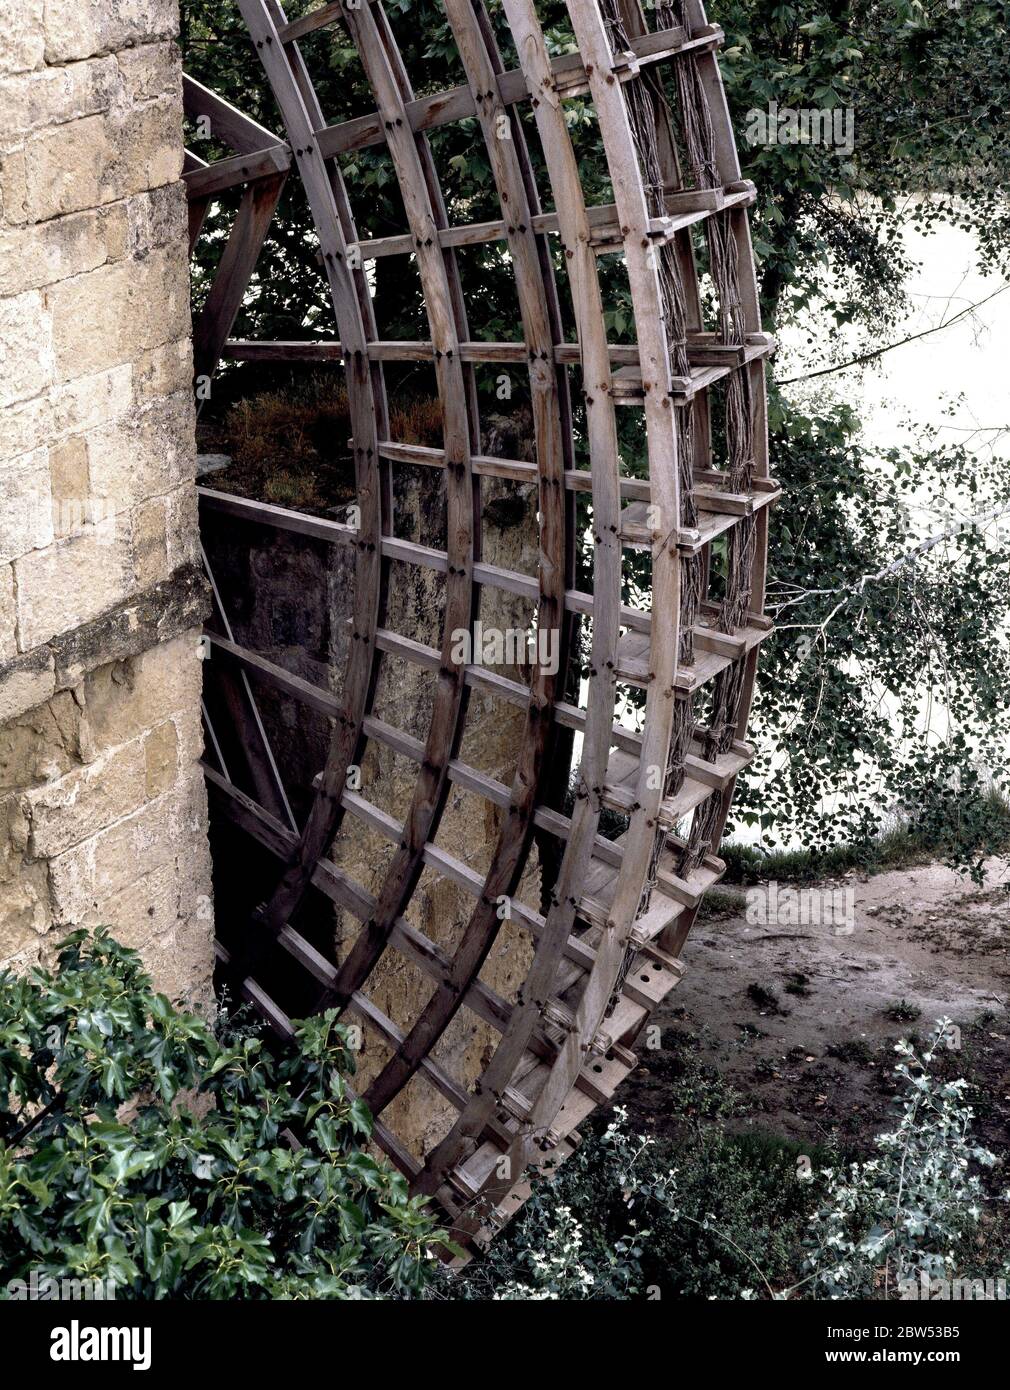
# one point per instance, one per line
(926, 84)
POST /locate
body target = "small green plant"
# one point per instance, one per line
(707, 1215)
(903, 1012)
(765, 1000)
(137, 1147)
(856, 1052)
(907, 1211)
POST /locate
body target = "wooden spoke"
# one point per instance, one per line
(260, 168)
(443, 302)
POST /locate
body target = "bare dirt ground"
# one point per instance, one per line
(802, 1021)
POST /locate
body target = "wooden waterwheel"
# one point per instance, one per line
(658, 720)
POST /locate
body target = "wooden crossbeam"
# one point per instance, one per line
(568, 76)
(212, 179)
(685, 209)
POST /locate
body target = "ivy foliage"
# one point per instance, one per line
(137, 1147)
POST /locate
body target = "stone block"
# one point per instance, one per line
(24, 909)
(41, 745)
(116, 313)
(8, 616)
(165, 371)
(26, 349)
(70, 408)
(71, 491)
(156, 219)
(182, 528)
(86, 876)
(26, 682)
(184, 976)
(142, 454)
(54, 96)
(148, 149)
(149, 71)
(65, 167)
(145, 908)
(123, 700)
(86, 800)
(22, 36)
(161, 759)
(90, 320)
(14, 188)
(93, 400)
(71, 582)
(32, 257)
(83, 28)
(150, 542)
(26, 521)
(101, 159)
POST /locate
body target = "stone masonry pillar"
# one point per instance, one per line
(102, 805)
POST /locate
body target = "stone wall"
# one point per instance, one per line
(102, 813)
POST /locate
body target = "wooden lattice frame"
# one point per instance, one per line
(607, 950)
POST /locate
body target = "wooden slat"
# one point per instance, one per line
(708, 358)
(215, 178)
(535, 292)
(310, 23)
(280, 518)
(658, 383)
(255, 214)
(567, 76)
(243, 712)
(686, 209)
(228, 125)
(728, 169)
(539, 79)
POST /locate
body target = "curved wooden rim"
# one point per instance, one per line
(369, 414)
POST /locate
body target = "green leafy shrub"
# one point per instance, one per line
(742, 1211)
(709, 1214)
(139, 1148)
(912, 1208)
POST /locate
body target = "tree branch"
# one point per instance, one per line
(859, 585)
(889, 347)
